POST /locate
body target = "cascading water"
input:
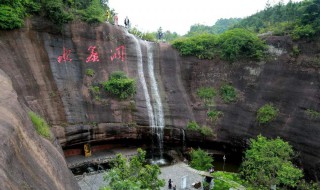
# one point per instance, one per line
(157, 129)
(183, 139)
(155, 110)
(143, 81)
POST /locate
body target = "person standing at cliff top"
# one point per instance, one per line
(127, 22)
(115, 19)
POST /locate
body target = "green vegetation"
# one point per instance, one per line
(13, 12)
(268, 162)
(90, 72)
(202, 46)
(240, 43)
(152, 36)
(313, 114)
(206, 131)
(206, 94)
(40, 125)
(231, 45)
(228, 93)
(227, 180)
(133, 174)
(94, 13)
(120, 85)
(193, 126)
(200, 160)
(298, 19)
(214, 115)
(95, 90)
(219, 27)
(267, 113)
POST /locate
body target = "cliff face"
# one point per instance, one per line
(47, 67)
(290, 83)
(27, 161)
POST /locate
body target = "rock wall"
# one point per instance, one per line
(291, 83)
(47, 66)
(27, 160)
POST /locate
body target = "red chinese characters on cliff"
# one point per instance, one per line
(65, 56)
(119, 54)
(93, 57)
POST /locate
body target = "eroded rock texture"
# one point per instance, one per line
(27, 160)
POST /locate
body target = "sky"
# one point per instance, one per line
(179, 15)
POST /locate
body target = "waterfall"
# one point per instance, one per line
(157, 129)
(183, 139)
(153, 102)
(143, 82)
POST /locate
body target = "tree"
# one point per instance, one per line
(200, 160)
(133, 174)
(268, 162)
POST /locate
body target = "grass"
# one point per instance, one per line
(227, 180)
(40, 125)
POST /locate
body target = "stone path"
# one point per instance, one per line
(173, 172)
(176, 172)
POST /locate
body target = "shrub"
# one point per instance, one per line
(200, 160)
(122, 87)
(193, 126)
(214, 115)
(228, 93)
(94, 13)
(40, 125)
(206, 131)
(90, 72)
(202, 46)
(11, 17)
(206, 93)
(306, 31)
(239, 43)
(118, 75)
(266, 113)
(54, 10)
(313, 114)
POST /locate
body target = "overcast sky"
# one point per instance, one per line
(179, 15)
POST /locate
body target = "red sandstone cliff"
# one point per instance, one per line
(47, 68)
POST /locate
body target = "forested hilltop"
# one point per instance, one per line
(298, 19)
(13, 12)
